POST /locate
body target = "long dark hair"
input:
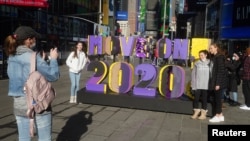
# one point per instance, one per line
(75, 48)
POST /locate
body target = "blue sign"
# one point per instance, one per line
(122, 15)
(229, 29)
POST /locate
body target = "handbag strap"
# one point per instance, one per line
(33, 62)
(31, 112)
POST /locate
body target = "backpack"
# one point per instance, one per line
(39, 92)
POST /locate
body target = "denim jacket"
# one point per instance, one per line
(18, 71)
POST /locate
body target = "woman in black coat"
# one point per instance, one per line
(232, 65)
(218, 80)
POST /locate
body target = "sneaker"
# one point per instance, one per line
(71, 99)
(245, 108)
(221, 118)
(217, 119)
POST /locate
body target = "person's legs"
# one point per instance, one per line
(224, 97)
(218, 107)
(73, 83)
(218, 102)
(73, 86)
(203, 105)
(77, 76)
(235, 96)
(23, 128)
(44, 127)
(204, 99)
(197, 94)
(246, 92)
(196, 104)
(77, 82)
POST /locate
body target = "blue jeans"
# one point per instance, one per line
(75, 80)
(43, 127)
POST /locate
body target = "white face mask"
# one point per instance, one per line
(33, 46)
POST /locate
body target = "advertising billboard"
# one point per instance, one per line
(233, 10)
(29, 3)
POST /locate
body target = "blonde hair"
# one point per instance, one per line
(248, 51)
(10, 45)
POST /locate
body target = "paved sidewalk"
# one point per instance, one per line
(85, 122)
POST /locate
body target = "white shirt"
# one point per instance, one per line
(76, 64)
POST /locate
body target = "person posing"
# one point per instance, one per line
(76, 62)
(218, 80)
(232, 64)
(199, 84)
(19, 49)
(246, 80)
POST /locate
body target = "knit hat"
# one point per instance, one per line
(25, 32)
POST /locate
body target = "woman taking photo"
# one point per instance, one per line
(19, 49)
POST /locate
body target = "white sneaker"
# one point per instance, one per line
(221, 118)
(74, 99)
(245, 108)
(217, 119)
(71, 99)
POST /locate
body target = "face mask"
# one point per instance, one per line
(33, 46)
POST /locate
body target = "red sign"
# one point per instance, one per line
(29, 3)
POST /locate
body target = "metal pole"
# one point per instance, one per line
(164, 19)
(100, 11)
(75, 17)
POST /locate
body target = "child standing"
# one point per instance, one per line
(200, 84)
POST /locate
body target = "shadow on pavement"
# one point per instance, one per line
(75, 127)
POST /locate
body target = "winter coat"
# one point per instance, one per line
(200, 75)
(18, 71)
(219, 73)
(76, 64)
(232, 67)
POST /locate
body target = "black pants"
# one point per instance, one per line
(217, 101)
(200, 94)
(246, 91)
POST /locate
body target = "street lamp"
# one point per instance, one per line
(164, 18)
(100, 12)
(189, 26)
(100, 18)
(172, 28)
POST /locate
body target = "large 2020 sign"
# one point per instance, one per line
(171, 81)
(121, 75)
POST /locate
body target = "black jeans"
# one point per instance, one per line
(246, 91)
(217, 101)
(197, 95)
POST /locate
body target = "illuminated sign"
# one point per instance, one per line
(122, 15)
(29, 3)
(230, 30)
(241, 13)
